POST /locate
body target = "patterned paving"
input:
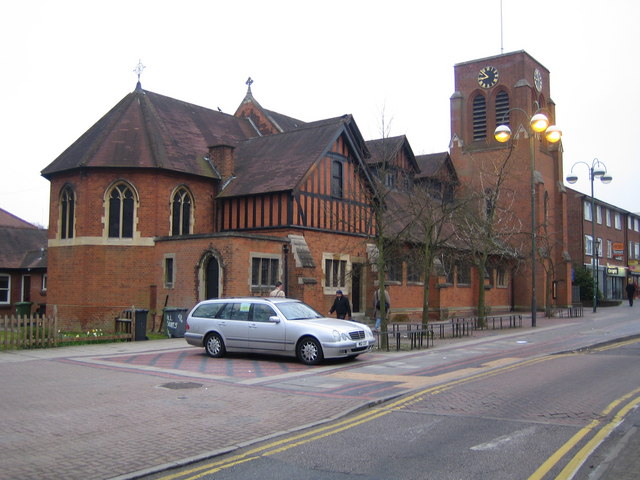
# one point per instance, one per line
(195, 361)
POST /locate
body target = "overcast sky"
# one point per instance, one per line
(66, 63)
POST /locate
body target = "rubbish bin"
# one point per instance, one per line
(140, 325)
(23, 309)
(175, 320)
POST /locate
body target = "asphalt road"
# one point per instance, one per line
(128, 410)
(536, 418)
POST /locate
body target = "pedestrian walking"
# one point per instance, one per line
(278, 291)
(631, 291)
(377, 313)
(341, 306)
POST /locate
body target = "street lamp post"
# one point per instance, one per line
(538, 123)
(597, 169)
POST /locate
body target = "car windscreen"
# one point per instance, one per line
(297, 311)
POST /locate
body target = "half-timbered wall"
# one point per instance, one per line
(318, 203)
(259, 211)
(321, 203)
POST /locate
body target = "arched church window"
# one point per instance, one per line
(121, 211)
(67, 212)
(502, 108)
(479, 118)
(181, 212)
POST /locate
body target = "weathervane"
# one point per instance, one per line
(248, 83)
(138, 71)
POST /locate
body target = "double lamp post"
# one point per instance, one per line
(597, 169)
(538, 124)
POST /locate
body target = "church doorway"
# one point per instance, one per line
(212, 278)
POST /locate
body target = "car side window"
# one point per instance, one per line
(261, 312)
(208, 310)
(238, 311)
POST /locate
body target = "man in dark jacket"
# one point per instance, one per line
(631, 292)
(341, 306)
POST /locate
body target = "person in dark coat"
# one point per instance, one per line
(631, 291)
(341, 306)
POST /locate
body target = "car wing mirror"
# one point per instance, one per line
(274, 319)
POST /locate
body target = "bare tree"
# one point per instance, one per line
(487, 225)
(430, 207)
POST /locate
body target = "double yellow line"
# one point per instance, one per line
(369, 415)
(579, 458)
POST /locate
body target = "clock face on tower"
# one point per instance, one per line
(488, 77)
(537, 79)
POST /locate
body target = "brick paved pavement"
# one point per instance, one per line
(108, 411)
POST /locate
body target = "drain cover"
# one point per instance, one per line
(181, 385)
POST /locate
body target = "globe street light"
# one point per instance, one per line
(538, 123)
(597, 169)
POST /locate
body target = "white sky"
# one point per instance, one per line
(66, 63)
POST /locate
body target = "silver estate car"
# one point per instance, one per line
(281, 326)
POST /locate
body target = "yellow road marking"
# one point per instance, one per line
(578, 459)
(372, 414)
(421, 381)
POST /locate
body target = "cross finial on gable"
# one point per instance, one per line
(138, 70)
(248, 83)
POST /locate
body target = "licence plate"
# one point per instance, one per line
(362, 343)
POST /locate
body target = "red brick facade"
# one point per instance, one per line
(475, 113)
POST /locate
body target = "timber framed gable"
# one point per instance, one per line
(335, 194)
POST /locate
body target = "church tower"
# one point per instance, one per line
(510, 89)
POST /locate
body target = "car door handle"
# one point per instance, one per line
(253, 325)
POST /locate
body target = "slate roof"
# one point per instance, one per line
(436, 164)
(279, 162)
(148, 130)
(385, 149)
(22, 245)
(10, 220)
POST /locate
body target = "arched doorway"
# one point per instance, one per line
(212, 278)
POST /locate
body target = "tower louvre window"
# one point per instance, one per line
(479, 118)
(502, 108)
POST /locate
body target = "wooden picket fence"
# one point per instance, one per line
(35, 331)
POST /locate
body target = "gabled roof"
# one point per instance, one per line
(436, 165)
(148, 130)
(9, 220)
(279, 162)
(385, 149)
(22, 245)
(275, 122)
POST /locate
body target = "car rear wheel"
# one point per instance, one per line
(214, 345)
(309, 351)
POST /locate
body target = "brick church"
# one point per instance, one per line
(166, 203)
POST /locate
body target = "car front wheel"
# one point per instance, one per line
(309, 351)
(214, 345)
